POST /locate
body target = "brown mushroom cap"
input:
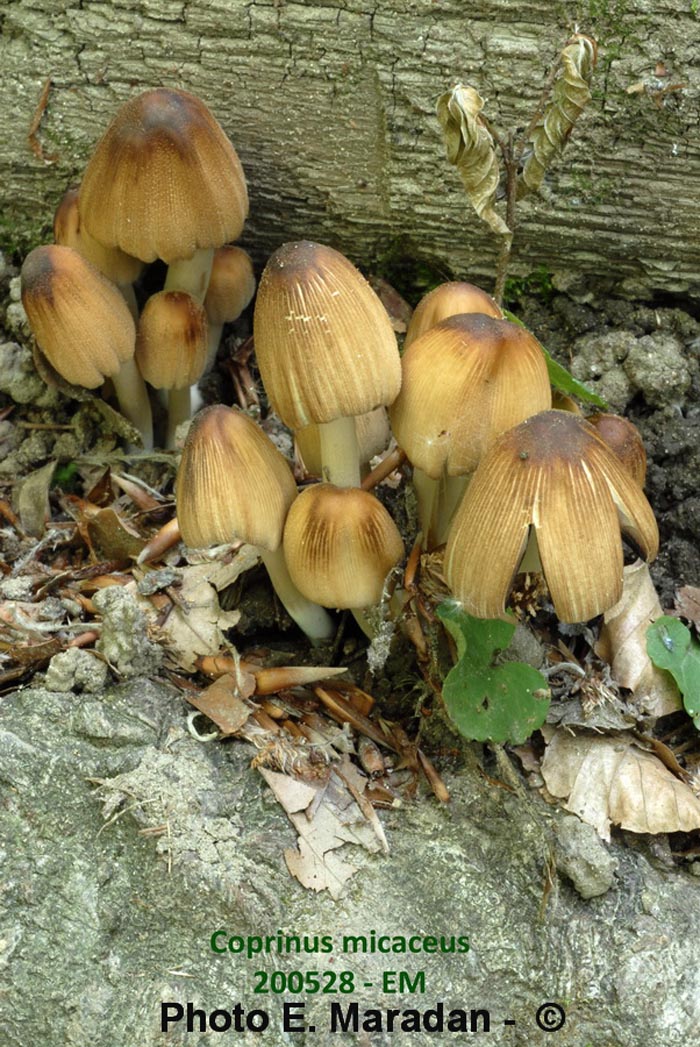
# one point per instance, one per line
(340, 543)
(79, 319)
(164, 180)
(447, 300)
(625, 440)
(171, 341)
(323, 340)
(231, 284)
(69, 231)
(232, 482)
(466, 380)
(555, 474)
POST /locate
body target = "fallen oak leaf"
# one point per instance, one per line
(612, 781)
(224, 701)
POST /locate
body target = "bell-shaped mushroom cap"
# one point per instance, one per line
(171, 340)
(373, 435)
(555, 474)
(323, 340)
(79, 319)
(164, 180)
(625, 440)
(231, 284)
(340, 544)
(466, 380)
(232, 482)
(447, 300)
(69, 231)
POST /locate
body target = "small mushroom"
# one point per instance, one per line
(340, 544)
(625, 440)
(84, 327)
(553, 487)
(447, 300)
(231, 289)
(233, 483)
(326, 349)
(171, 350)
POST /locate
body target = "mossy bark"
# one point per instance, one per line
(331, 107)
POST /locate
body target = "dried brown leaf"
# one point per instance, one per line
(470, 148)
(688, 604)
(623, 644)
(570, 96)
(224, 701)
(33, 499)
(612, 781)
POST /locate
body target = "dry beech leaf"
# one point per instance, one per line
(623, 644)
(611, 780)
(326, 817)
(470, 148)
(570, 96)
(224, 701)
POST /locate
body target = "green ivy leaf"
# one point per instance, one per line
(560, 378)
(671, 646)
(487, 702)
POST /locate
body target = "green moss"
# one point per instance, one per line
(537, 284)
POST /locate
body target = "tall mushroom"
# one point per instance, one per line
(326, 349)
(165, 182)
(234, 483)
(550, 483)
(84, 328)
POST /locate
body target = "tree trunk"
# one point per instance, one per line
(331, 108)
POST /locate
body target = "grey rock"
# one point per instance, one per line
(598, 360)
(123, 640)
(583, 858)
(77, 670)
(657, 367)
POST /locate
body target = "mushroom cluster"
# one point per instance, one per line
(504, 478)
(164, 182)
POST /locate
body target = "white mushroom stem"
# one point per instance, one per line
(437, 502)
(191, 274)
(133, 400)
(179, 410)
(314, 620)
(213, 339)
(340, 452)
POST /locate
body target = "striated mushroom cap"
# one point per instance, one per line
(171, 341)
(555, 475)
(340, 544)
(625, 440)
(69, 231)
(231, 284)
(466, 380)
(164, 180)
(79, 318)
(232, 482)
(323, 340)
(449, 299)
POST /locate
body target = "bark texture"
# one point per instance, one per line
(331, 108)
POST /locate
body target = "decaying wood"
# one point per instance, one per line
(332, 108)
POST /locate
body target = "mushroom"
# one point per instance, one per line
(165, 182)
(447, 300)
(467, 379)
(231, 289)
(233, 483)
(325, 348)
(625, 440)
(340, 544)
(69, 231)
(550, 483)
(171, 350)
(373, 436)
(84, 328)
